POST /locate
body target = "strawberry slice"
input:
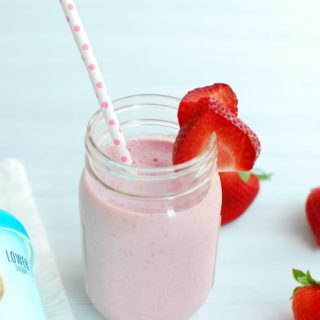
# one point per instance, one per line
(220, 92)
(238, 146)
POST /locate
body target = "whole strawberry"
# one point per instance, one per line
(239, 189)
(313, 212)
(306, 298)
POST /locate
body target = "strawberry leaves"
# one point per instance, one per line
(261, 175)
(245, 175)
(304, 278)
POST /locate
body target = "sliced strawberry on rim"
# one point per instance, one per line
(220, 92)
(238, 146)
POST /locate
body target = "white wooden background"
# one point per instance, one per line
(269, 52)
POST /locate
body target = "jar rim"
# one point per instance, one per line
(166, 170)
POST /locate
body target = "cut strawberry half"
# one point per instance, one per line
(238, 146)
(220, 92)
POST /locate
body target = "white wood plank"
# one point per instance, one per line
(267, 50)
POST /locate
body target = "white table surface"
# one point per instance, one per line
(267, 50)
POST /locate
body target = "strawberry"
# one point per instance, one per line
(313, 212)
(239, 189)
(306, 298)
(238, 146)
(220, 92)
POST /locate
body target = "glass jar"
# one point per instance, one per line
(149, 233)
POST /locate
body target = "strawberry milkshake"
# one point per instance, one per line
(149, 231)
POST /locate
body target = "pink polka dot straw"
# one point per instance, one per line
(96, 78)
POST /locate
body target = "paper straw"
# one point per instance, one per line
(97, 80)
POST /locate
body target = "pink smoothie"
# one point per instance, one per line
(148, 260)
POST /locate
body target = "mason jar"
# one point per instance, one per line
(149, 230)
